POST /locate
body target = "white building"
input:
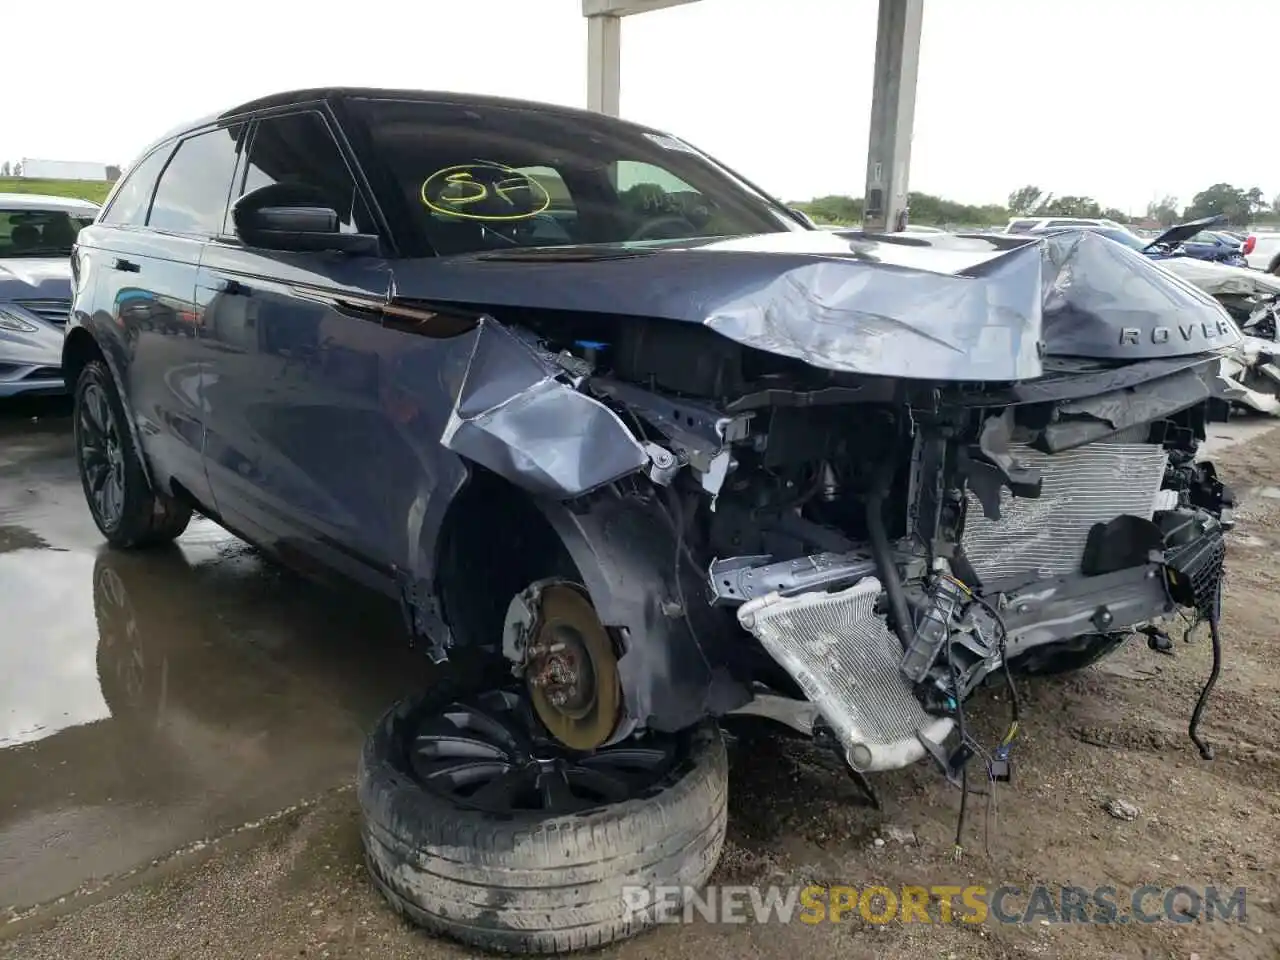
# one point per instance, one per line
(63, 169)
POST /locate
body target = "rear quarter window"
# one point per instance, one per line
(132, 200)
(191, 197)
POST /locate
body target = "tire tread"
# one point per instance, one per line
(535, 886)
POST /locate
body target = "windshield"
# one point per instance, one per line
(39, 233)
(481, 178)
(1120, 235)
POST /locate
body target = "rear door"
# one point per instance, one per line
(148, 251)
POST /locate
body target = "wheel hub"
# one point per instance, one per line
(571, 670)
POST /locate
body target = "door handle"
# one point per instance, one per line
(233, 288)
(128, 266)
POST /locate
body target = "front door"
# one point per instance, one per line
(300, 444)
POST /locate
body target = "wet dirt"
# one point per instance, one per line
(211, 816)
(149, 700)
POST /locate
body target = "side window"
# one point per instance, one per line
(132, 200)
(650, 193)
(298, 148)
(192, 194)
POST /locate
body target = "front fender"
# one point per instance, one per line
(513, 413)
(674, 666)
(81, 345)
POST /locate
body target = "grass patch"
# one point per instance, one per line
(95, 190)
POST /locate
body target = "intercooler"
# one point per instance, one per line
(1046, 536)
(846, 660)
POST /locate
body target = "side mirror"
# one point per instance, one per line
(297, 218)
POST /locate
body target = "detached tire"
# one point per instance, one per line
(528, 881)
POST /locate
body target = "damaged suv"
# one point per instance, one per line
(628, 436)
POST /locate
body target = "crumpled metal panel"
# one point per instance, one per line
(1220, 279)
(515, 414)
(1046, 536)
(1104, 301)
(1255, 359)
(944, 307)
(901, 321)
(949, 308)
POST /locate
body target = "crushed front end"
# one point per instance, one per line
(982, 540)
(843, 489)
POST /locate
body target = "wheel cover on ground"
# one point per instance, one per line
(489, 753)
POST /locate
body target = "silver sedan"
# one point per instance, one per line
(36, 236)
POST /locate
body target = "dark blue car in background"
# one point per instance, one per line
(1191, 239)
(1217, 246)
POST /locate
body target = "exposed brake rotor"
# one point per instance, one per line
(571, 669)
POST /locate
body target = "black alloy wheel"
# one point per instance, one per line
(492, 754)
(121, 501)
(101, 454)
(478, 824)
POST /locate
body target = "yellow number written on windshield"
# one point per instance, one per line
(484, 191)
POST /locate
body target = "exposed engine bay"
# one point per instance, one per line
(774, 531)
(892, 545)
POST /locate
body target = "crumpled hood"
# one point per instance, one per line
(936, 307)
(35, 278)
(1104, 301)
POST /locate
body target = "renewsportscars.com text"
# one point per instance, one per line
(939, 903)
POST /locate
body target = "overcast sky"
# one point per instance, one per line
(1122, 100)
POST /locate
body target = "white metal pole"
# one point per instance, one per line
(893, 105)
(604, 64)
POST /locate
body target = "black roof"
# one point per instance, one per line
(288, 97)
(312, 94)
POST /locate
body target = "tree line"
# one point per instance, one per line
(1241, 207)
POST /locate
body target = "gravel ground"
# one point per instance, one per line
(294, 885)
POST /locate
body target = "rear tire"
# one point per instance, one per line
(123, 506)
(529, 881)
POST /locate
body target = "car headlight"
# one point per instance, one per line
(11, 321)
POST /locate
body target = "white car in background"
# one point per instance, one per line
(1039, 224)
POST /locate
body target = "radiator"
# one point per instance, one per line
(1091, 484)
(845, 659)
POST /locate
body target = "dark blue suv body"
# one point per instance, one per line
(588, 404)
